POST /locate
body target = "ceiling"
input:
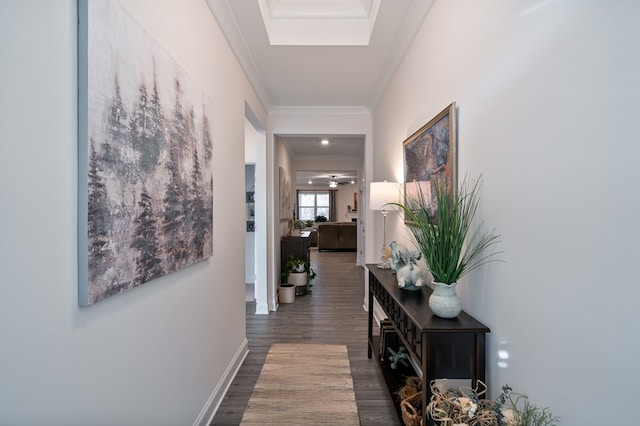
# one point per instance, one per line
(340, 147)
(322, 177)
(319, 53)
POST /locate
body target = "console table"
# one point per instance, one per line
(441, 348)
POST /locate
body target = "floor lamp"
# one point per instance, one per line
(380, 195)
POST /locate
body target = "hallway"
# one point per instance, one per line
(332, 313)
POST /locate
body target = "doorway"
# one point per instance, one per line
(256, 212)
(250, 240)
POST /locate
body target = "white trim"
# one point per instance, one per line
(345, 23)
(229, 25)
(262, 308)
(319, 110)
(213, 403)
(261, 251)
(378, 313)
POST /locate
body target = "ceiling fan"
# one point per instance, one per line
(333, 183)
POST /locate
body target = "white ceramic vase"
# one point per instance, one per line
(444, 301)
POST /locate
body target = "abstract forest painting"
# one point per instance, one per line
(145, 155)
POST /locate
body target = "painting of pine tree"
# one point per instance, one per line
(145, 175)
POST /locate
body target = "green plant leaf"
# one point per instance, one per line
(449, 246)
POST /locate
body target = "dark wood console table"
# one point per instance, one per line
(442, 348)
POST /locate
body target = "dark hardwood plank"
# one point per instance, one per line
(332, 313)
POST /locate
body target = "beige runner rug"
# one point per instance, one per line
(303, 384)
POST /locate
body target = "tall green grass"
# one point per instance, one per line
(443, 234)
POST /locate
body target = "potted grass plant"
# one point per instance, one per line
(451, 246)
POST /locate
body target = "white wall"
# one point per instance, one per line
(157, 354)
(252, 138)
(282, 158)
(344, 198)
(547, 98)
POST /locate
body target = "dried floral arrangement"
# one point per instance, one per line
(467, 407)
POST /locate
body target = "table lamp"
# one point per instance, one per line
(380, 195)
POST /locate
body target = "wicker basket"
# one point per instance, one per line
(411, 412)
(411, 402)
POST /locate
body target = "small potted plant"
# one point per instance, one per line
(298, 226)
(442, 231)
(299, 273)
(293, 265)
(321, 218)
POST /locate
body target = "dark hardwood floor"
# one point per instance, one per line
(332, 313)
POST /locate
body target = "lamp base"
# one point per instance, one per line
(384, 258)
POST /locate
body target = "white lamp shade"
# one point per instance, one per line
(382, 193)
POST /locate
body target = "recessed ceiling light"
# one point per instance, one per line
(310, 182)
(324, 142)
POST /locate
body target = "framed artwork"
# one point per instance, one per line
(430, 158)
(285, 194)
(145, 178)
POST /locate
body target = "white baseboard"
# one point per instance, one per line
(262, 308)
(214, 401)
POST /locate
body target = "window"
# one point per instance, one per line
(312, 204)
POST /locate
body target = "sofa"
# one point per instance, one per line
(337, 236)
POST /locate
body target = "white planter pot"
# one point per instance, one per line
(287, 293)
(444, 301)
(299, 279)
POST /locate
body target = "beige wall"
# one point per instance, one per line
(547, 106)
(158, 354)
